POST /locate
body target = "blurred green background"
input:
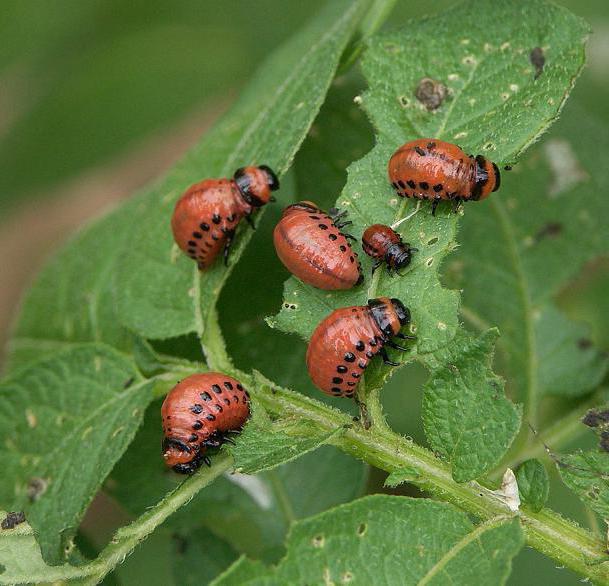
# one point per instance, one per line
(97, 97)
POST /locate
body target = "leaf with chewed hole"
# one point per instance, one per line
(466, 415)
(64, 422)
(494, 105)
(424, 542)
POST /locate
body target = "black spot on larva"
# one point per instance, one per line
(209, 245)
(193, 437)
(431, 145)
(411, 184)
(372, 343)
(355, 374)
(332, 236)
(196, 408)
(226, 401)
(336, 393)
(192, 243)
(210, 417)
(335, 390)
(197, 235)
(218, 408)
(205, 396)
(351, 384)
(343, 248)
(360, 346)
(438, 187)
(362, 364)
(349, 357)
(192, 251)
(216, 218)
(337, 380)
(230, 218)
(369, 354)
(341, 369)
(204, 226)
(323, 226)
(431, 93)
(538, 60)
(424, 185)
(315, 217)
(216, 388)
(228, 385)
(401, 184)
(235, 399)
(419, 151)
(215, 237)
(197, 425)
(239, 386)
(351, 259)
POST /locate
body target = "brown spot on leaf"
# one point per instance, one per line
(431, 93)
(538, 60)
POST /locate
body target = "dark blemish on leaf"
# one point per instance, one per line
(538, 60)
(584, 343)
(507, 168)
(361, 530)
(550, 230)
(36, 487)
(12, 520)
(431, 93)
(595, 418)
(128, 382)
(181, 543)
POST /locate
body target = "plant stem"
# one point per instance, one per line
(129, 537)
(558, 538)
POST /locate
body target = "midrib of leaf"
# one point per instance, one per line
(454, 551)
(530, 396)
(470, 78)
(236, 153)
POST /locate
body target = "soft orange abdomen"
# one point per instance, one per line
(314, 250)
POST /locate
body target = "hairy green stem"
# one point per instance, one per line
(546, 531)
(128, 538)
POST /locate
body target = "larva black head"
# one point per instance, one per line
(401, 311)
(255, 184)
(486, 178)
(399, 255)
(389, 314)
(180, 456)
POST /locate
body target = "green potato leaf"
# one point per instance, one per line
(64, 422)
(422, 543)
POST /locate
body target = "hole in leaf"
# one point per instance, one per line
(404, 101)
(361, 530)
(318, 541)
